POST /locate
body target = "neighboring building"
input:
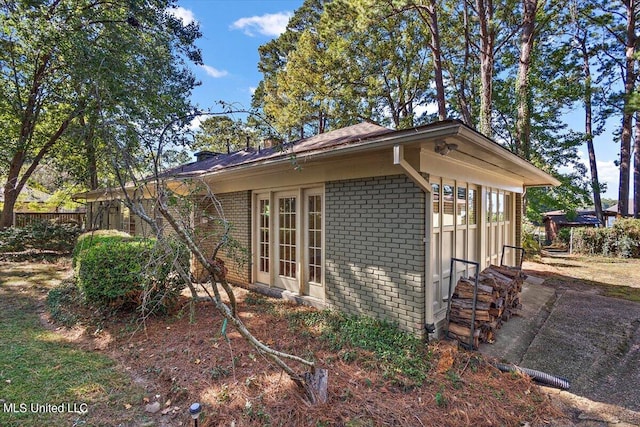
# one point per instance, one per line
(370, 218)
(29, 199)
(611, 213)
(554, 221)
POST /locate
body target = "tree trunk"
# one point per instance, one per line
(461, 92)
(627, 118)
(487, 42)
(625, 159)
(588, 129)
(90, 148)
(436, 51)
(15, 183)
(523, 122)
(636, 168)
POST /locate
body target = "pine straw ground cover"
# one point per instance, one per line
(185, 358)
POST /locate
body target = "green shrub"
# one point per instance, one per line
(93, 238)
(622, 240)
(41, 235)
(13, 239)
(119, 272)
(562, 238)
(530, 239)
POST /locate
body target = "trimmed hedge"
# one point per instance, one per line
(93, 238)
(41, 235)
(120, 272)
(622, 240)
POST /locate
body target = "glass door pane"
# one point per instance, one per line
(287, 244)
(315, 238)
(263, 236)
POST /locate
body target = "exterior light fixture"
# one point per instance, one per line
(443, 148)
(195, 410)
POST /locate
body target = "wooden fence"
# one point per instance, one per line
(22, 219)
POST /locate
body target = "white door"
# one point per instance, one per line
(263, 239)
(286, 241)
(313, 227)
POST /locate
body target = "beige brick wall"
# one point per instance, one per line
(236, 209)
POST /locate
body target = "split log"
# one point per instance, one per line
(468, 303)
(462, 334)
(497, 299)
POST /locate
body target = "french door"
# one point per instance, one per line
(289, 240)
(263, 243)
(286, 242)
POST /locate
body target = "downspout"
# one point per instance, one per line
(423, 184)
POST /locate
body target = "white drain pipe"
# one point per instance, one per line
(423, 184)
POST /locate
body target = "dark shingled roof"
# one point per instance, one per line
(613, 210)
(582, 217)
(333, 139)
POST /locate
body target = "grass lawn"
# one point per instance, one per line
(41, 374)
(613, 277)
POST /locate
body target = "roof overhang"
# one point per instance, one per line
(471, 148)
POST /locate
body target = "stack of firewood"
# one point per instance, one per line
(497, 299)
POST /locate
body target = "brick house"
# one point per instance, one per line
(369, 218)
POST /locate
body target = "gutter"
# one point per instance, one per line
(420, 181)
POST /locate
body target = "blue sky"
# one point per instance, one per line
(234, 29)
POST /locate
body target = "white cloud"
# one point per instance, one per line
(194, 125)
(183, 14)
(609, 173)
(213, 72)
(431, 108)
(270, 24)
(252, 89)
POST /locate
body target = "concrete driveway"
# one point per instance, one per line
(591, 340)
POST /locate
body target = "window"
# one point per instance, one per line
(263, 262)
(494, 206)
(435, 192)
(501, 206)
(472, 206)
(461, 206)
(489, 206)
(447, 205)
(288, 237)
(314, 213)
(507, 207)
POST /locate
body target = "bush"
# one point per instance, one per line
(562, 238)
(120, 272)
(530, 239)
(42, 235)
(93, 238)
(622, 240)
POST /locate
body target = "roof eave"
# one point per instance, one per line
(532, 177)
(542, 178)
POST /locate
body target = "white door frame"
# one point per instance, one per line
(286, 240)
(263, 259)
